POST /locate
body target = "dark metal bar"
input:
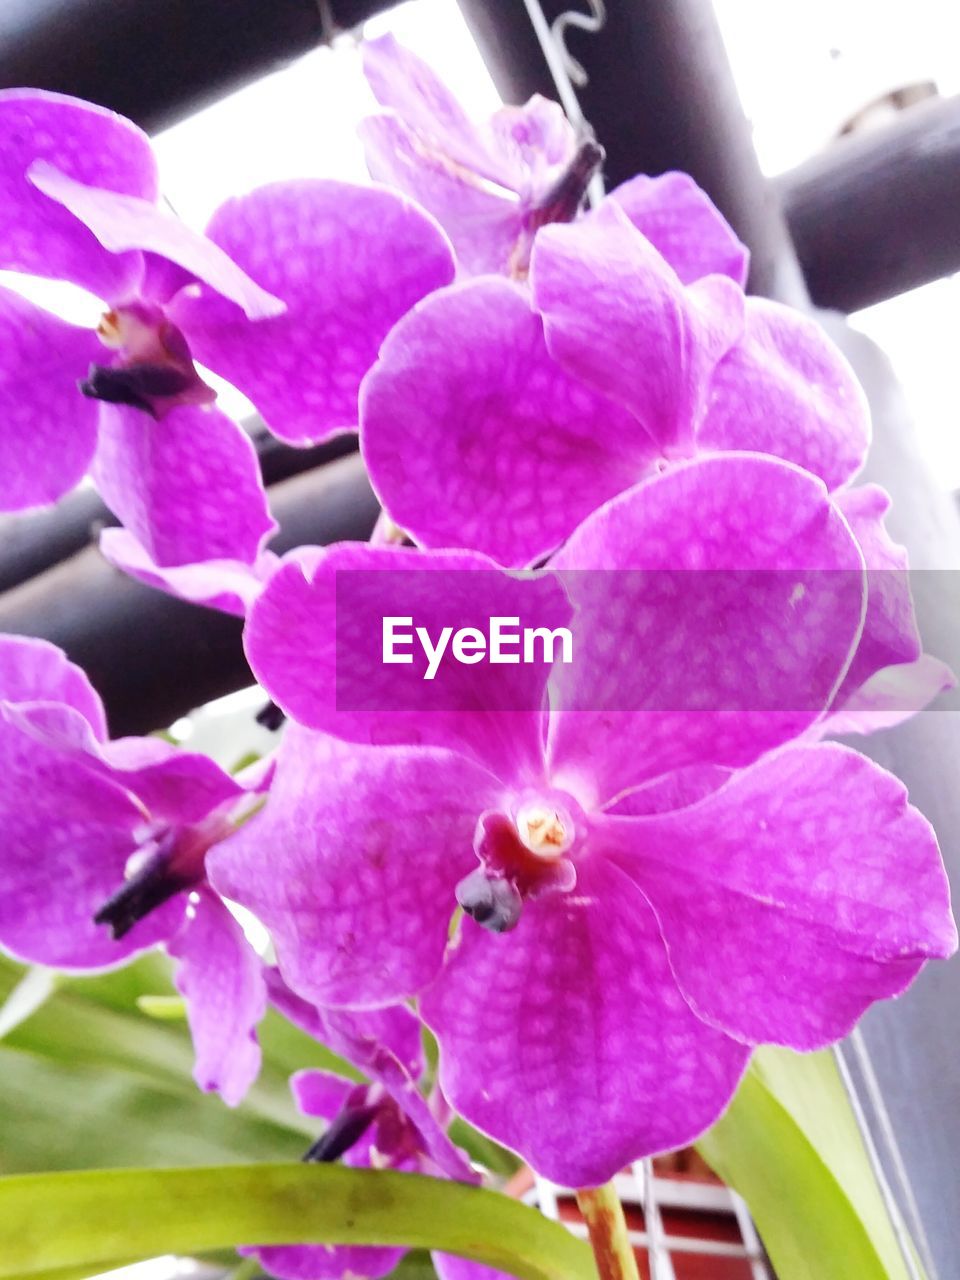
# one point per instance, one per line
(655, 106)
(879, 213)
(153, 658)
(157, 60)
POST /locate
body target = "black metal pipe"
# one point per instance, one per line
(154, 658)
(879, 213)
(157, 60)
(660, 96)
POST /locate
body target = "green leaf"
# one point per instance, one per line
(90, 1079)
(59, 1220)
(163, 1008)
(789, 1143)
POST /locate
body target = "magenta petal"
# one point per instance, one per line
(64, 858)
(449, 1267)
(577, 1009)
(320, 1093)
(474, 436)
(228, 585)
(33, 670)
(49, 429)
(745, 637)
(88, 144)
(188, 487)
(409, 86)
(314, 641)
(484, 221)
(220, 977)
(889, 697)
(890, 636)
(820, 889)
(373, 1040)
(786, 389)
(366, 847)
(683, 224)
(348, 262)
(127, 222)
(616, 314)
(326, 1262)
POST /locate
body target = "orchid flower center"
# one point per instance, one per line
(522, 856)
(544, 830)
(152, 369)
(166, 861)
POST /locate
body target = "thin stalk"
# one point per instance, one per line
(603, 1214)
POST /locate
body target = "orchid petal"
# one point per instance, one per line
(821, 890)
(577, 1008)
(188, 487)
(473, 436)
(786, 389)
(228, 585)
(220, 977)
(64, 858)
(33, 670)
(348, 262)
(128, 222)
(314, 640)
(890, 636)
(616, 315)
(49, 429)
(743, 588)
(684, 225)
(90, 145)
(366, 845)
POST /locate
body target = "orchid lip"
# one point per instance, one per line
(151, 881)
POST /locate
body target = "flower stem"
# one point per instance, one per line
(603, 1214)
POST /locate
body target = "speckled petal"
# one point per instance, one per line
(888, 698)
(890, 636)
(348, 261)
(314, 640)
(33, 670)
(326, 1262)
(63, 858)
(188, 488)
(49, 429)
(577, 1010)
(409, 86)
(366, 846)
(88, 144)
(484, 221)
(785, 389)
(746, 619)
(126, 222)
(820, 889)
(366, 1038)
(231, 586)
(683, 224)
(449, 1267)
(474, 436)
(220, 977)
(616, 315)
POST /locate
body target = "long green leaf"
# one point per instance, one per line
(58, 1220)
(789, 1143)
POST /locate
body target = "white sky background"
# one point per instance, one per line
(802, 69)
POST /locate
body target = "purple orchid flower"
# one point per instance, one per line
(491, 186)
(647, 892)
(287, 296)
(383, 1124)
(104, 847)
(617, 371)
